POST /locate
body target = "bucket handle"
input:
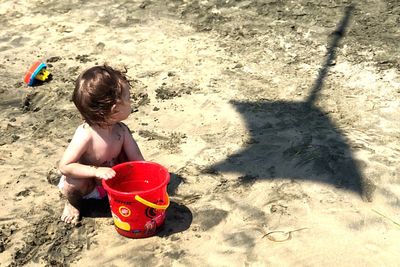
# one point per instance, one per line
(152, 205)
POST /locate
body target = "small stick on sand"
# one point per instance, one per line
(270, 236)
(377, 212)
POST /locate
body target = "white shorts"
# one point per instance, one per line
(98, 191)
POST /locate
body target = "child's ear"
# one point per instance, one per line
(114, 109)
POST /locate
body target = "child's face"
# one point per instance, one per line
(123, 107)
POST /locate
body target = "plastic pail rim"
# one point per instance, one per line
(163, 183)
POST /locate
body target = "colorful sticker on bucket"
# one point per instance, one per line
(150, 227)
(150, 212)
(124, 211)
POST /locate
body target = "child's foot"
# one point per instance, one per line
(70, 214)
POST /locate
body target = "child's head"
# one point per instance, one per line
(98, 91)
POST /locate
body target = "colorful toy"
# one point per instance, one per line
(36, 72)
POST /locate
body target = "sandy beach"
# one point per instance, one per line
(278, 122)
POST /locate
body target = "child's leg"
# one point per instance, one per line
(74, 190)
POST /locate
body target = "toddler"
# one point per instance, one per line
(103, 99)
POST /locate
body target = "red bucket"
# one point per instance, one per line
(138, 198)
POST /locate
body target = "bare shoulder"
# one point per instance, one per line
(83, 132)
(124, 128)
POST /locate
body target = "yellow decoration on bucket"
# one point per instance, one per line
(120, 224)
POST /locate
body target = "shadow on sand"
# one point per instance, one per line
(179, 217)
(96, 208)
(296, 140)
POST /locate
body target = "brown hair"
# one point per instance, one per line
(97, 89)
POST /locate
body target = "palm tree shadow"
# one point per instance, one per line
(296, 140)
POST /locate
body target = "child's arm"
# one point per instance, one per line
(69, 164)
(130, 146)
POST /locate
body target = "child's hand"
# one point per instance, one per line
(104, 173)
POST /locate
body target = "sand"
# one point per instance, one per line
(278, 121)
